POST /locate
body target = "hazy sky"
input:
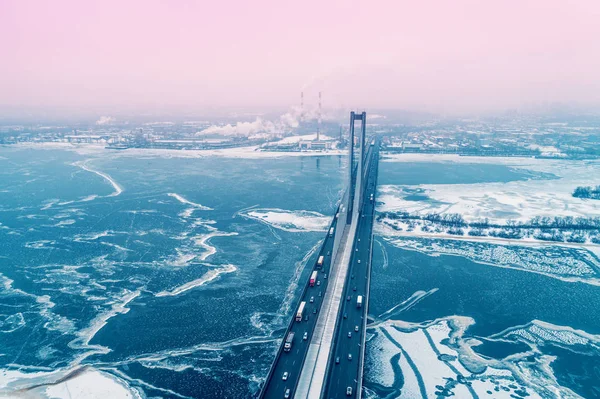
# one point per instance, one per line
(442, 55)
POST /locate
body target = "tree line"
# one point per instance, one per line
(538, 222)
(557, 228)
(587, 192)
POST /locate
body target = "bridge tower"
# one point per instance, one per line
(355, 174)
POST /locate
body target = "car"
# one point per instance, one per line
(312, 299)
(354, 289)
(325, 276)
(359, 261)
(337, 360)
(319, 293)
(352, 276)
(287, 394)
(349, 391)
(315, 311)
(318, 282)
(349, 334)
(306, 318)
(349, 356)
(356, 249)
(356, 328)
(345, 315)
(305, 337)
(328, 253)
(348, 298)
(285, 376)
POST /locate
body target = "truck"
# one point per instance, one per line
(320, 261)
(300, 311)
(313, 278)
(331, 230)
(288, 341)
(359, 301)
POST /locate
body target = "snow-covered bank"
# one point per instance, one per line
(297, 139)
(250, 152)
(436, 359)
(519, 200)
(80, 383)
(582, 237)
(557, 261)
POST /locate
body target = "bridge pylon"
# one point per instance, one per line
(355, 174)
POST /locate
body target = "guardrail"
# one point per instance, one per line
(364, 325)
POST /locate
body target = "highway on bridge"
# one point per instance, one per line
(345, 365)
(340, 331)
(292, 361)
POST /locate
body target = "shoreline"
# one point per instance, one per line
(233, 152)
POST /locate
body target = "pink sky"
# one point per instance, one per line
(442, 55)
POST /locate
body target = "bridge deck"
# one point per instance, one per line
(313, 375)
(309, 370)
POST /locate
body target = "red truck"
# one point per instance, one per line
(313, 278)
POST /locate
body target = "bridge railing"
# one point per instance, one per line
(363, 342)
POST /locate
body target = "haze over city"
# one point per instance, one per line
(299, 199)
(462, 56)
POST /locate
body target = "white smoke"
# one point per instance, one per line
(284, 124)
(242, 128)
(106, 120)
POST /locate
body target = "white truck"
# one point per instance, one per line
(359, 301)
(300, 311)
(288, 342)
(320, 261)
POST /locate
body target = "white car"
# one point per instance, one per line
(305, 337)
(356, 328)
(285, 376)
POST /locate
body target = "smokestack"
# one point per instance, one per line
(301, 106)
(319, 123)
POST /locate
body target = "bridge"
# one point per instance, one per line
(322, 352)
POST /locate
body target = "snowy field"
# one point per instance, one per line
(80, 383)
(434, 360)
(499, 202)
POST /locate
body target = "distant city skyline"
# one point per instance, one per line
(463, 56)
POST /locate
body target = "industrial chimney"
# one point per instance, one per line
(319, 122)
